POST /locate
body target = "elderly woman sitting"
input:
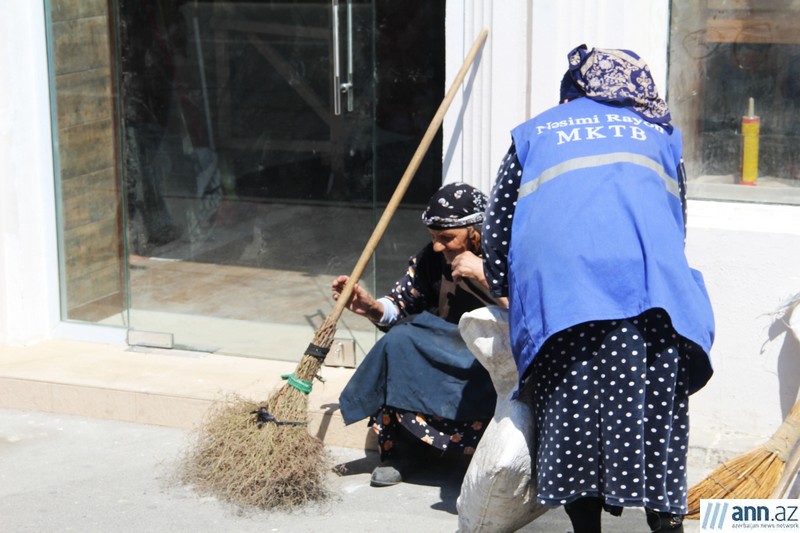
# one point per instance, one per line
(420, 383)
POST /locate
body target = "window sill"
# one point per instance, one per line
(766, 190)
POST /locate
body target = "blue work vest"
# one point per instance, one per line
(598, 231)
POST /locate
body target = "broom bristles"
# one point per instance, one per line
(754, 474)
(267, 466)
(751, 475)
(274, 467)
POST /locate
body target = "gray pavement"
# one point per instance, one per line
(68, 473)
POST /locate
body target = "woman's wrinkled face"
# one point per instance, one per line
(454, 241)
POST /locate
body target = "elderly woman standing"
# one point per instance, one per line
(611, 329)
(420, 383)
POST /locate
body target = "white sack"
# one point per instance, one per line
(497, 494)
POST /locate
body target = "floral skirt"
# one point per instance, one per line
(459, 437)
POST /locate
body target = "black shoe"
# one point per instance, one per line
(390, 473)
(664, 521)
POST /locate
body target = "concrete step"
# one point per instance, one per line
(170, 388)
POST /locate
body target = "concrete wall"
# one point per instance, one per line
(28, 267)
(750, 257)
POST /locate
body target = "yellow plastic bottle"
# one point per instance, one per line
(751, 124)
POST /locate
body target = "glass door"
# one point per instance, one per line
(248, 166)
(257, 146)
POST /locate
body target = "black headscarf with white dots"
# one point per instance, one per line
(455, 205)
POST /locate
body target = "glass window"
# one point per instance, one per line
(88, 184)
(219, 163)
(734, 90)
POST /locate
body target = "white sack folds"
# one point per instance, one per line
(497, 494)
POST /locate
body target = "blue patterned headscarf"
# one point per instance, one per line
(617, 77)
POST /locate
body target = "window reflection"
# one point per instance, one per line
(722, 54)
(207, 186)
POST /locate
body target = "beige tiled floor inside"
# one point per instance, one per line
(253, 312)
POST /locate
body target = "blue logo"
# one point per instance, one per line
(713, 515)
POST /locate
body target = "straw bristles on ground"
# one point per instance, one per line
(275, 466)
(753, 474)
(266, 460)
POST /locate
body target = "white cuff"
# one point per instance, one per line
(390, 312)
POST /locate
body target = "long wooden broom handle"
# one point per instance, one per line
(413, 165)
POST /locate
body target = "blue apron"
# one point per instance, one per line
(598, 231)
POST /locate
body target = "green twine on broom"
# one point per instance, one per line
(299, 384)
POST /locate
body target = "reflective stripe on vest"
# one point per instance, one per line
(580, 163)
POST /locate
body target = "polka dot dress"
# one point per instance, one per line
(611, 405)
(496, 232)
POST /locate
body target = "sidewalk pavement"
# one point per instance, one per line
(70, 473)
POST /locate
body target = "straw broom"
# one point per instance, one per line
(261, 455)
(754, 474)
